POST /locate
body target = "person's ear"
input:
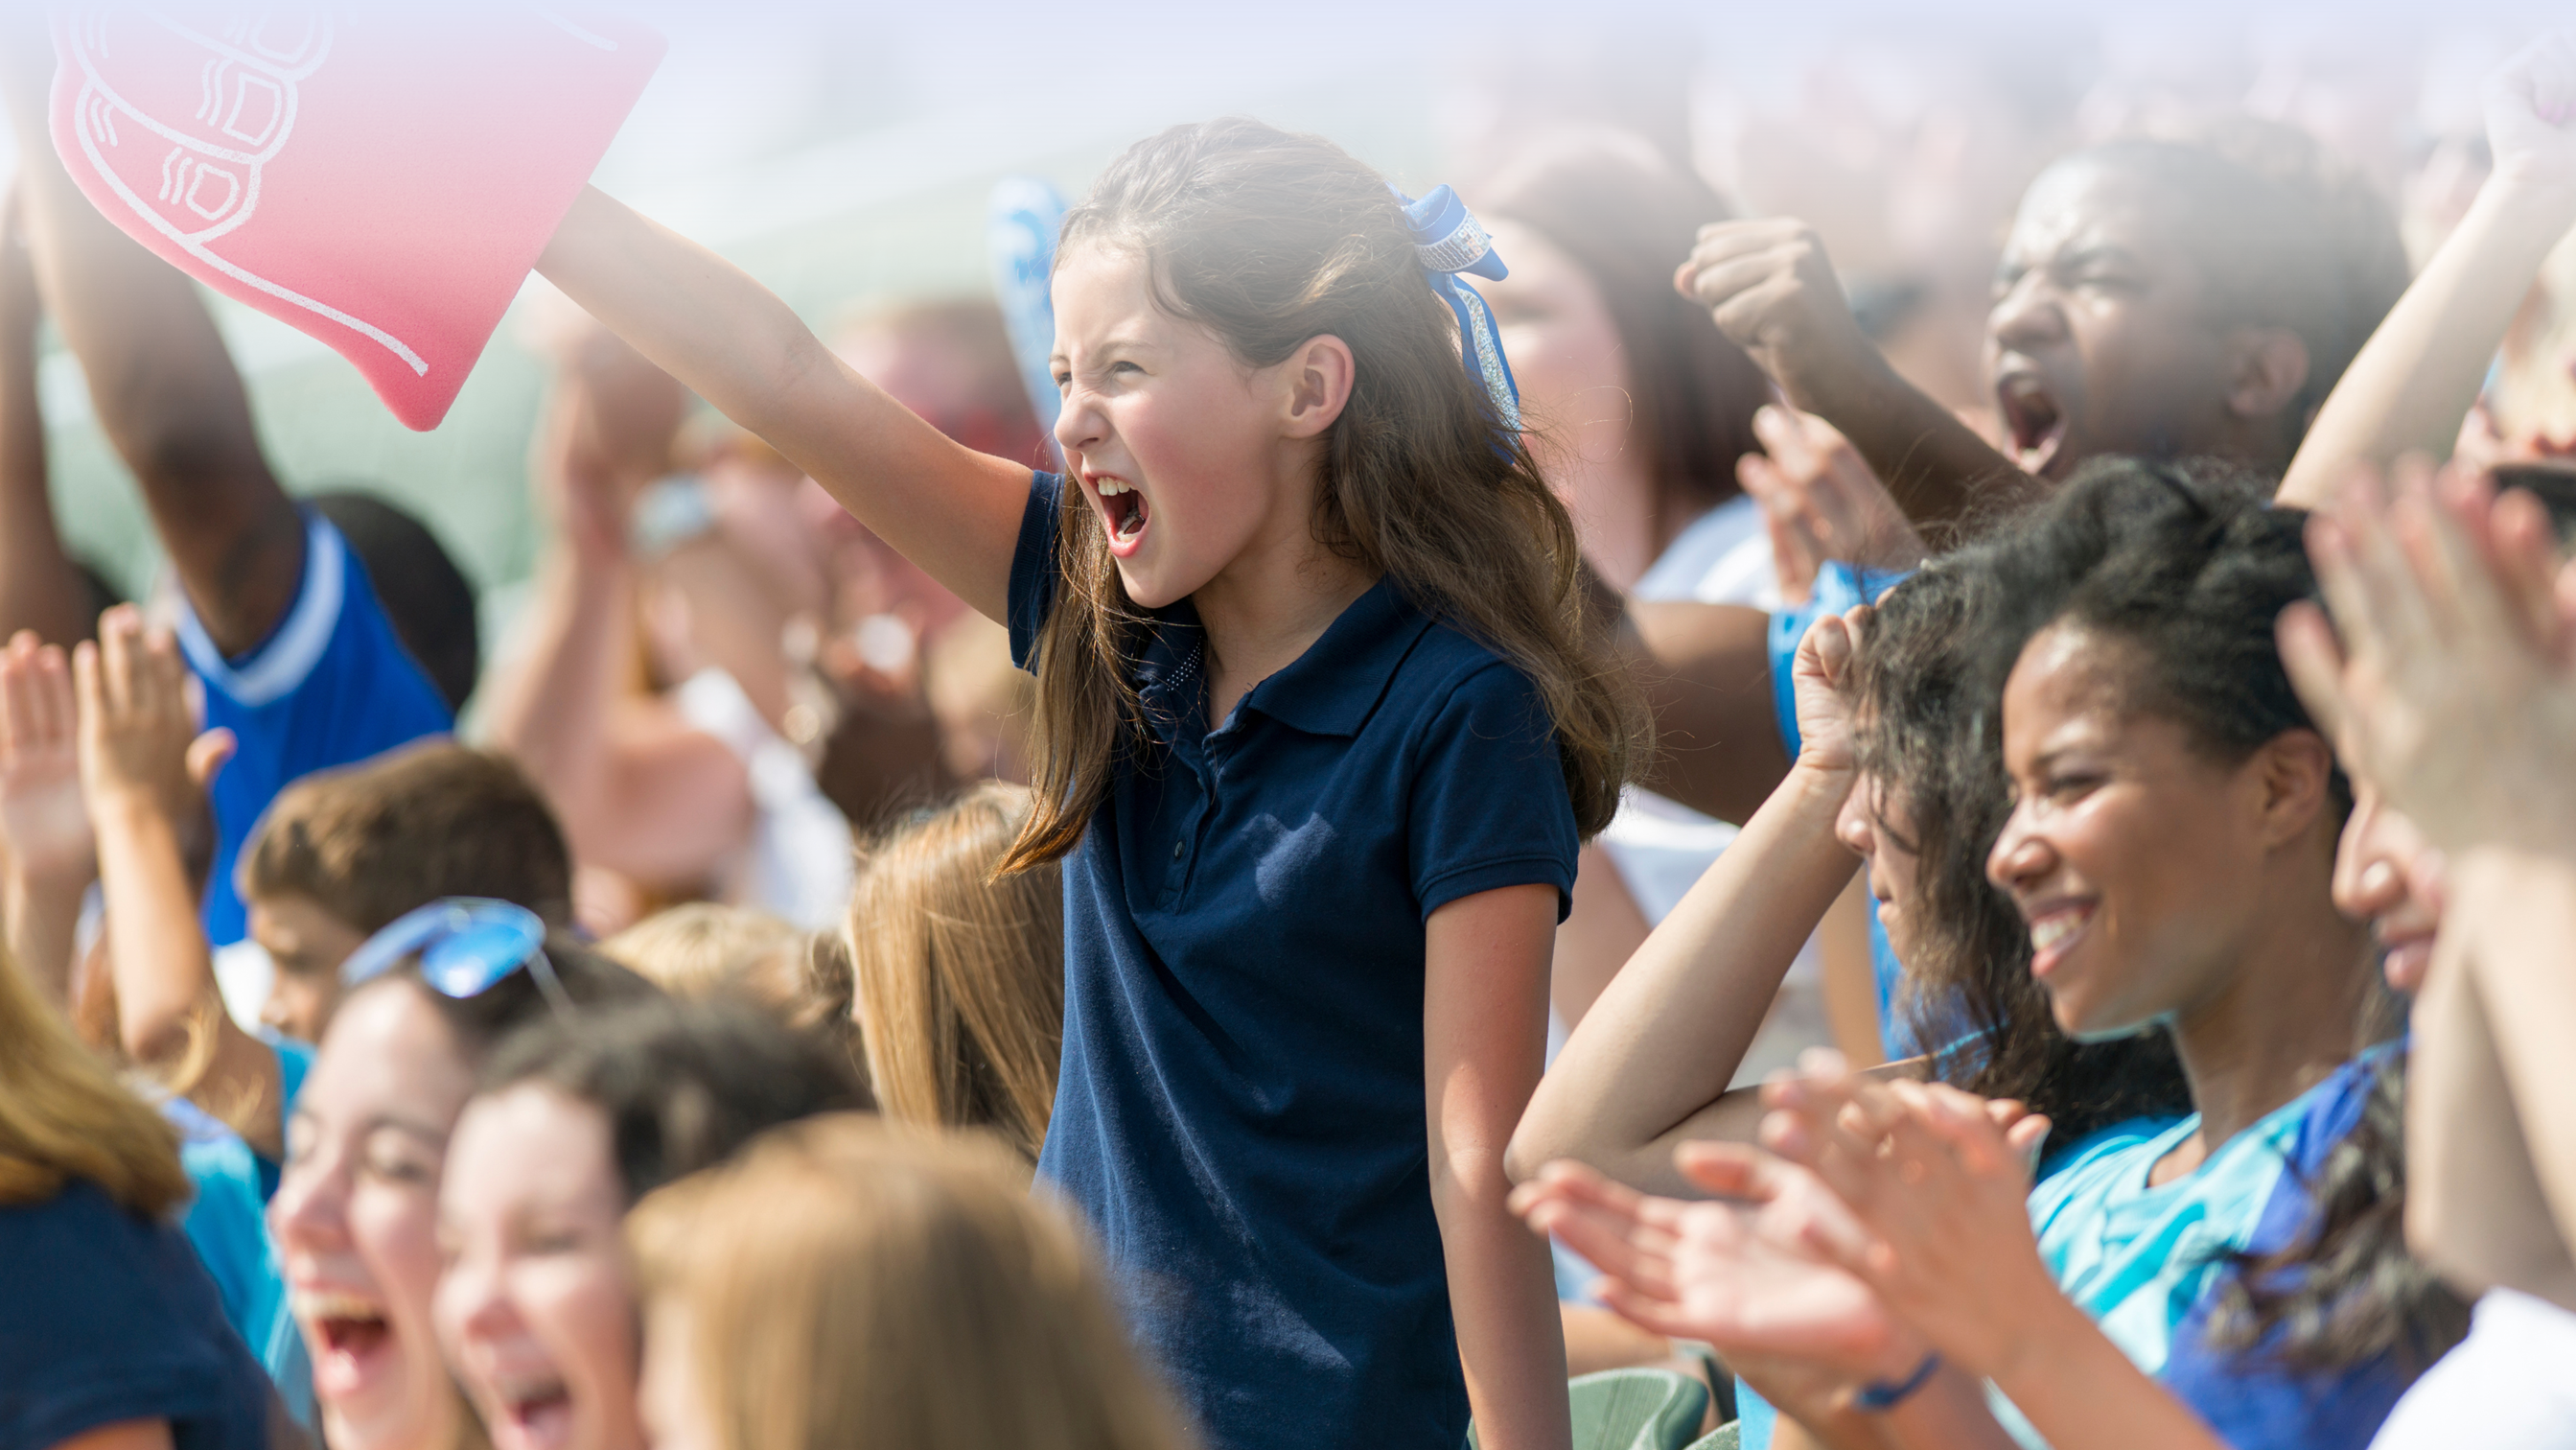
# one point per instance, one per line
(2266, 368)
(1318, 385)
(2294, 773)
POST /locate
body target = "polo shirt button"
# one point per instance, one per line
(1177, 848)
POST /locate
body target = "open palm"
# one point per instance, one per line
(44, 823)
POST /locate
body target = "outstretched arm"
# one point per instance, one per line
(164, 388)
(2420, 372)
(143, 769)
(639, 790)
(1649, 1065)
(953, 511)
(40, 588)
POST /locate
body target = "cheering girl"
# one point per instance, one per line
(1319, 726)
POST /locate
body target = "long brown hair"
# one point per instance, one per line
(1624, 214)
(1270, 239)
(63, 1115)
(849, 1281)
(959, 972)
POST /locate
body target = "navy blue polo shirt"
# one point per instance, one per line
(1240, 1105)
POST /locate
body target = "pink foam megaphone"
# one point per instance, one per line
(381, 176)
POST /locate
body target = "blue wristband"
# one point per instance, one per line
(1880, 1396)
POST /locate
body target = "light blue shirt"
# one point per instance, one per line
(2137, 1257)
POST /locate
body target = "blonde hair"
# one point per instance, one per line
(63, 1115)
(702, 948)
(1269, 240)
(959, 974)
(850, 1281)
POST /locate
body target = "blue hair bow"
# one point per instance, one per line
(1449, 242)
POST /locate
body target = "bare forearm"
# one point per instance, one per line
(167, 396)
(1706, 673)
(1502, 1294)
(701, 319)
(2420, 373)
(2081, 1393)
(2521, 908)
(157, 952)
(1949, 1413)
(1936, 467)
(42, 915)
(40, 588)
(1664, 1038)
(551, 705)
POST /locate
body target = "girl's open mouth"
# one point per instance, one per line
(1123, 506)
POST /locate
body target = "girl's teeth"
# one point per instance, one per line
(2049, 933)
(1111, 488)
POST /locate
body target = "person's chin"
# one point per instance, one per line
(1150, 582)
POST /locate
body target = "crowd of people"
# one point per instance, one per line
(1514, 825)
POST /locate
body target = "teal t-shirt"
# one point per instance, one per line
(2137, 1257)
(227, 1222)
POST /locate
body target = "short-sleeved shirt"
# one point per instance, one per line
(331, 685)
(110, 1318)
(2138, 1257)
(2508, 1386)
(1240, 1105)
(227, 1222)
(2254, 1395)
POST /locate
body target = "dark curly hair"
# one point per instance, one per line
(1968, 994)
(2191, 568)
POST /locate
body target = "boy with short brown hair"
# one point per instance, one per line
(342, 853)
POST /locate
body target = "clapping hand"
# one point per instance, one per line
(1822, 502)
(2448, 676)
(1935, 1183)
(1737, 1272)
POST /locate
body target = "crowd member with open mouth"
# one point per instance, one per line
(355, 1216)
(576, 1120)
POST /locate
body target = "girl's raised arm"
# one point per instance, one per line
(953, 511)
(1649, 1064)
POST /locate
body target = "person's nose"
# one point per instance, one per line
(311, 1208)
(475, 1295)
(2369, 882)
(1852, 825)
(1079, 425)
(2021, 857)
(2027, 316)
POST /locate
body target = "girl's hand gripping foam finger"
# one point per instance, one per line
(2531, 116)
(2449, 687)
